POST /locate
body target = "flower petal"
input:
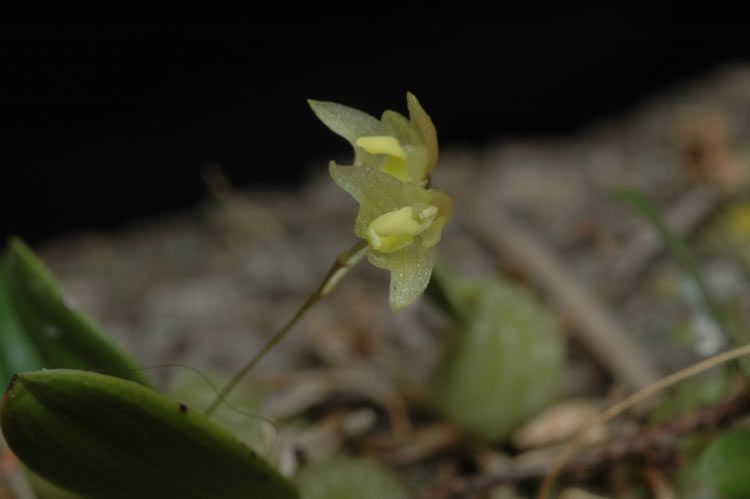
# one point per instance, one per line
(425, 126)
(410, 269)
(397, 125)
(349, 123)
(444, 204)
(414, 166)
(442, 200)
(434, 232)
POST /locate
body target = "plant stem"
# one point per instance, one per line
(341, 266)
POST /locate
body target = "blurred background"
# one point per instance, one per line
(104, 126)
(174, 180)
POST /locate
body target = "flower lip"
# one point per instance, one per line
(384, 144)
(397, 229)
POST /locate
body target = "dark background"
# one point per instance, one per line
(104, 126)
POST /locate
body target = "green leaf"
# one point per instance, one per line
(675, 245)
(62, 336)
(17, 352)
(687, 478)
(106, 437)
(45, 489)
(347, 478)
(725, 466)
(240, 412)
(721, 314)
(506, 362)
(700, 391)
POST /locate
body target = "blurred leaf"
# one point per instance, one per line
(725, 466)
(239, 413)
(63, 337)
(675, 245)
(721, 314)
(687, 478)
(347, 478)
(730, 236)
(17, 352)
(506, 362)
(694, 393)
(106, 437)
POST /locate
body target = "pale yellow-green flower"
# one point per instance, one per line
(401, 219)
(404, 148)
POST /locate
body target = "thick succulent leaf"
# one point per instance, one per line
(240, 412)
(375, 191)
(410, 269)
(102, 436)
(62, 336)
(506, 362)
(44, 489)
(350, 124)
(425, 126)
(726, 464)
(17, 351)
(346, 478)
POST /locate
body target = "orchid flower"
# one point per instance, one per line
(399, 217)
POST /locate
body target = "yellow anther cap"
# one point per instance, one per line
(382, 145)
